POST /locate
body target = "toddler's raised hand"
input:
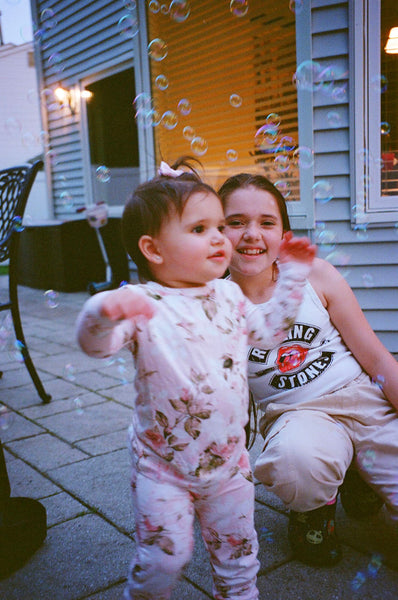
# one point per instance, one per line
(297, 249)
(124, 303)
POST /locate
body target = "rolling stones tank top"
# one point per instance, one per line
(313, 360)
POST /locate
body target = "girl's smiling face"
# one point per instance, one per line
(253, 224)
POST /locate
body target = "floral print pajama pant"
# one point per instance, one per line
(164, 512)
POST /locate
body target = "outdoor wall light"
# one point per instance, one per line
(66, 98)
(392, 43)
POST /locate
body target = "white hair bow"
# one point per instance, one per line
(166, 170)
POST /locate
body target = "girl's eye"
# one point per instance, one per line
(234, 223)
(198, 229)
(267, 223)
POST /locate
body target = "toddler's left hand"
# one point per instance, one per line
(297, 249)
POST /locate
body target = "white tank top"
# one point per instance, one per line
(313, 359)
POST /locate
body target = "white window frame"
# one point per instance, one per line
(365, 116)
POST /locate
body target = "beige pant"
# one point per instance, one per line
(308, 448)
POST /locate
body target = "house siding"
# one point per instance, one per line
(78, 40)
(371, 256)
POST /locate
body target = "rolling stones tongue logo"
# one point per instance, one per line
(290, 357)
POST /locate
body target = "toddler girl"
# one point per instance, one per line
(188, 332)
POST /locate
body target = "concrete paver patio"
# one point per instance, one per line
(71, 455)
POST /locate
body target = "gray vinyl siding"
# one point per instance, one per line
(87, 40)
(372, 269)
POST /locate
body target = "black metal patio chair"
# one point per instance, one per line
(15, 186)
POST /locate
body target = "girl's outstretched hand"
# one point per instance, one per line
(124, 303)
(297, 249)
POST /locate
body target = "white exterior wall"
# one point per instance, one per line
(20, 125)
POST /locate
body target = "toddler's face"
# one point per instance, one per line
(193, 247)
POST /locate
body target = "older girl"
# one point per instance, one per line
(320, 408)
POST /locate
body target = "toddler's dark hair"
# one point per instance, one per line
(153, 203)
(244, 180)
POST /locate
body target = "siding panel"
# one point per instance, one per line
(367, 259)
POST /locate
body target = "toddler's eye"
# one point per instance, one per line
(221, 228)
(198, 229)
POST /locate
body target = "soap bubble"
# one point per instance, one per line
(361, 230)
(12, 126)
(379, 381)
(304, 157)
(232, 155)
(385, 128)
(128, 26)
(130, 5)
(162, 82)
(334, 119)
(379, 83)
(184, 106)
(367, 280)
(157, 49)
(103, 174)
(66, 200)
(179, 10)
(358, 581)
(306, 75)
(79, 405)
(199, 145)
(284, 187)
(51, 298)
(239, 8)
(154, 6)
(188, 133)
(164, 9)
(296, 6)
(17, 224)
(169, 119)
(322, 191)
(235, 100)
(18, 351)
(282, 162)
(6, 418)
(70, 372)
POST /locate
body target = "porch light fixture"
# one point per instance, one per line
(66, 98)
(392, 43)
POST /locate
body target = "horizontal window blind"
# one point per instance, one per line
(222, 87)
(388, 84)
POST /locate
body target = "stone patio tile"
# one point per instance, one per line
(103, 444)
(27, 482)
(95, 380)
(103, 483)
(60, 406)
(77, 558)
(62, 507)
(46, 452)
(15, 427)
(294, 581)
(269, 499)
(21, 397)
(92, 420)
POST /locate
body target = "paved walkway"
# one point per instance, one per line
(71, 455)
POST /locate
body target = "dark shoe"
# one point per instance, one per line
(23, 528)
(312, 536)
(358, 499)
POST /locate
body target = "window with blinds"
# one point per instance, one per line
(223, 89)
(388, 83)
